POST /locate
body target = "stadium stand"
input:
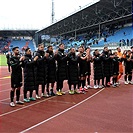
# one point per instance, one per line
(19, 43)
(103, 23)
(4, 45)
(23, 44)
(20, 38)
(120, 37)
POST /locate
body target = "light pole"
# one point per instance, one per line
(53, 11)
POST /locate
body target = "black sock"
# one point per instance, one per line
(69, 86)
(51, 90)
(37, 88)
(83, 83)
(103, 81)
(47, 88)
(79, 84)
(47, 91)
(31, 92)
(58, 86)
(98, 81)
(17, 95)
(25, 93)
(43, 88)
(61, 85)
(95, 82)
(115, 79)
(88, 80)
(125, 77)
(74, 86)
(12, 95)
(107, 79)
(130, 77)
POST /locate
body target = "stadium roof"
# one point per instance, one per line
(104, 11)
(7, 33)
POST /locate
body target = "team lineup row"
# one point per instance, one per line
(46, 68)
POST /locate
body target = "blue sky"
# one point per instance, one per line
(23, 14)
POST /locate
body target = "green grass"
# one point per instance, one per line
(3, 61)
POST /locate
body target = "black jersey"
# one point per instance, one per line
(16, 75)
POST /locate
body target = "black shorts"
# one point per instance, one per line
(128, 71)
(16, 81)
(83, 74)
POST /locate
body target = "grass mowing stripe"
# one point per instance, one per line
(3, 60)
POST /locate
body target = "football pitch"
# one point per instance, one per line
(3, 61)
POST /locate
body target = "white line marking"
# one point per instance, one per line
(4, 103)
(8, 98)
(62, 112)
(25, 107)
(4, 99)
(57, 101)
(4, 84)
(5, 90)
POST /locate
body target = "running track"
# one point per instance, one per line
(106, 110)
